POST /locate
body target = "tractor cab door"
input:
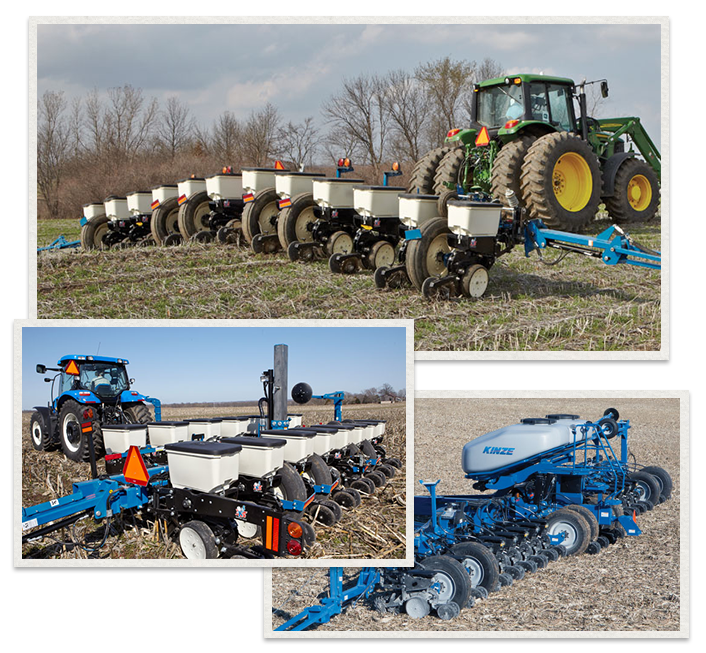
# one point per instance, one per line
(552, 104)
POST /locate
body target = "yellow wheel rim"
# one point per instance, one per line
(639, 193)
(572, 181)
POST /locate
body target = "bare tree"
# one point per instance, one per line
(407, 106)
(128, 121)
(359, 111)
(53, 149)
(445, 81)
(226, 138)
(298, 142)
(340, 145)
(175, 127)
(260, 135)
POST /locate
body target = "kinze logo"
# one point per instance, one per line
(503, 451)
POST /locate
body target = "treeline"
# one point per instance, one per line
(370, 396)
(121, 141)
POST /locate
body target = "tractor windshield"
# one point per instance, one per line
(498, 104)
(104, 379)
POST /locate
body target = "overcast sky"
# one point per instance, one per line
(184, 364)
(214, 68)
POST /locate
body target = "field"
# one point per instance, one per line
(578, 305)
(631, 586)
(375, 530)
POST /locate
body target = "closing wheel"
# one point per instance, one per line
(433, 291)
(340, 242)
(197, 541)
(334, 263)
(425, 256)
(388, 470)
(194, 215)
(450, 580)
(449, 611)
(293, 252)
(573, 527)
(381, 254)
(636, 193)
(474, 281)
(517, 573)
(479, 562)
(334, 507)
(246, 529)
(344, 499)
(308, 533)
(321, 514)
(417, 607)
(379, 276)
(376, 478)
(172, 240)
(204, 237)
(364, 486)
(355, 494)
(561, 181)
(395, 462)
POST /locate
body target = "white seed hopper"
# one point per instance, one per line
(415, 210)
(116, 208)
(118, 438)
(139, 202)
(224, 186)
(93, 210)
(474, 219)
(377, 201)
(257, 179)
(160, 194)
(334, 193)
(204, 466)
(291, 184)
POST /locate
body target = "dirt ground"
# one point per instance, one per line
(631, 586)
(375, 530)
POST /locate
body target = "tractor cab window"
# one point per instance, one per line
(498, 104)
(104, 379)
(551, 103)
(69, 382)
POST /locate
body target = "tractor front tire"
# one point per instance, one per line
(636, 193)
(74, 443)
(41, 441)
(561, 181)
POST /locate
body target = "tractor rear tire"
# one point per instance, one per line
(92, 233)
(424, 256)
(561, 181)
(74, 443)
(449, 170)
(293, 223)
(507, 169)
(636, 194)
(192, 213)
(422, 178)
(165, 220)
(259, 216)
(139, 414)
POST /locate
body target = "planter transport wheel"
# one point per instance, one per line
(646, 486)
(194, 215)
(573, 527)
(450, 581)
(425, 256)
(165, 220)
(296, 221)
(663, 478)
(479, 563)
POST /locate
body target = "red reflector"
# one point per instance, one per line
(182, 199)
(334, 484)
(452, 133)
(340, 163)
(154, 204)
(84, 394)
(309, 500)
(483, 137)
(294, 548)
(268, 533)
(283, 204)
(248, 197)
(112, 456)
(275, 535)
(511, 123)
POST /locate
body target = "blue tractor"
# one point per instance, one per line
(93, 390)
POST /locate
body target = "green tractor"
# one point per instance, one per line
(525, 137)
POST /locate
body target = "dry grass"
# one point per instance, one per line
(579, 305)
(631, 586)
(375, 530)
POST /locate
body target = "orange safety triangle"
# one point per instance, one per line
(72, 368)
(279, 165)
(483, 137)
(135, 470)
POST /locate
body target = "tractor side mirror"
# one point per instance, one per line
(302, 393)
(132, 381)
(48, 380)
(41, 369)
(604, 89)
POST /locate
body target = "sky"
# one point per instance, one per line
(214, 68)
(201, 364)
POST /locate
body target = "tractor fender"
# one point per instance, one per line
(536, 127)
(131, 397)
(465, 136)
(81, 396)
(610, 169)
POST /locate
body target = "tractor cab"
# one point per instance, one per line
(105, 379)
(506, 105)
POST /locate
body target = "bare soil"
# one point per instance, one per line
(631, 586)
(375, 530)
